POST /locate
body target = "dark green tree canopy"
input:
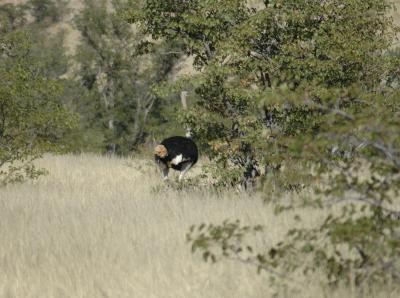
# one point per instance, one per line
(198, 25)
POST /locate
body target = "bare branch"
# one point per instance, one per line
(332, 110)
(389, 153)
(256, 55)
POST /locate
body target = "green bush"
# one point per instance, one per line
(32, 119)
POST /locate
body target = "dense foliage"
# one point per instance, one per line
(106, 81)
(32, 118)
(118, 76)
(256, 66)
(305, 95)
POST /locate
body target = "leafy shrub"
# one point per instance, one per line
(32, 117)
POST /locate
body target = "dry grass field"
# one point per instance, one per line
(95, 227)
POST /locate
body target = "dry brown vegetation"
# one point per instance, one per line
(98, 227)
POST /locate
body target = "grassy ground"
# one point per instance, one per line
(95, 227)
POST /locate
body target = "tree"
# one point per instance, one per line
(48, 10)
(118, 78)
(248, 53)
(47, 48)
(12, 17)
(296, 86)
(32, 120)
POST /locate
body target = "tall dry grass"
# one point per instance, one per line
(95, 227)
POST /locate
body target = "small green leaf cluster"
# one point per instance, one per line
(226, 237)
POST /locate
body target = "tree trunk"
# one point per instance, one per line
(185, 107)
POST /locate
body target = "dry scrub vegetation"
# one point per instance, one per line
(96, 227)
